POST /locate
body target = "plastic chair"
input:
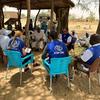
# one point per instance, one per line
(95, 67)
(57, 66)
(15, 60)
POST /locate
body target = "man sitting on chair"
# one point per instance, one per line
(90, 55)
(66, 38)
(54, 49)
(17, 44)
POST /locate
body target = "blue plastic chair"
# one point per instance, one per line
(15, 60)
(57, 66)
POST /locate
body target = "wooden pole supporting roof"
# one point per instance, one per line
(19, 16)
(28, 20)
(1, 15)
(52, 10)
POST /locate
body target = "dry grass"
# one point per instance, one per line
(34, 89)
(82, 26)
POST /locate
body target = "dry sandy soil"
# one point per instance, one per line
(33, 87)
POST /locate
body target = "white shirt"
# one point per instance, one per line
(5, 32)
(60, 37)
(69, 39)
(4, 41)
(37, 35)
(87, 55)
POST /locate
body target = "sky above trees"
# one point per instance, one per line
(91, 6)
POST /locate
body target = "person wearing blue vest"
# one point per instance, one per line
(54, 49)
(91, 54)
(66, 38)
(17, 44)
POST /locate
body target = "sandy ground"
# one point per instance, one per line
(33, 87)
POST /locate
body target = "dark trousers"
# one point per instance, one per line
(78, 61)
(26, 59)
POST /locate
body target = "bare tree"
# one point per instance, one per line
(85, 5)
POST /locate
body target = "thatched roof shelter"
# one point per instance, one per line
(11, 21)
(37, 4)
(54, 5)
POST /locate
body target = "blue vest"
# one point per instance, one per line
(16, 45)
(57, 49)
(65, 37)
(96, 54)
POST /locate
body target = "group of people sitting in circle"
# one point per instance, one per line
(57, 49)
(56, 46)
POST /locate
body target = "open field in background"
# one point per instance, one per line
(82, 27)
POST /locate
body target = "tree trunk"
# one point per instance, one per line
(67, 18)
(28, 21)
(2, 18)
(36, 18)
(58, 18)
(64, 19)
(98, 28)
(59, 21)
(19, 17)
(52, 10)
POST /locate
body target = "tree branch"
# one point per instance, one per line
(79, 1)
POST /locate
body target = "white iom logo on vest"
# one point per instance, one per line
(58, 50)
